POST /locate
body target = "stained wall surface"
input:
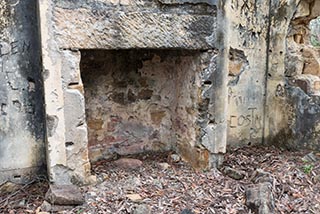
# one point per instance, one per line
(249, 23)
(22, 147)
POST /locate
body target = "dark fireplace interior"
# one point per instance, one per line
(139, 100)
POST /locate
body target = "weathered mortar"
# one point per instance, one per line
(22, 148)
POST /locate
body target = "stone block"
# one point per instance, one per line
(105, 28)
(64, 195)
(128, 163)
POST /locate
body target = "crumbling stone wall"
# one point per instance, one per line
(146, 100)
(293, 112)
(22, 147)
(273, 74)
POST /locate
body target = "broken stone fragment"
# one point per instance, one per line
(234, 173)
(310, 157)
(164, 166)
(142, 209)
(9, 187)
(175, 158)
(303, 10)
(134, 197)
(64, 195)
(259, 198)
(128, 163)
(47, 208)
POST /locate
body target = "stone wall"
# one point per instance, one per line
(248, 42)
(22, 148)
(293, 111)
(273, 74)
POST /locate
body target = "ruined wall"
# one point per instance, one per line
(274, 74)
(22, 148)
(293, 111)
(248, 42)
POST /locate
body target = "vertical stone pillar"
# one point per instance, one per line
(278, 112)
(22, 132)
(218, 106)
(67, 151)
(53, 94)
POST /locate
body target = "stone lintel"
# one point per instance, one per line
(116, 29)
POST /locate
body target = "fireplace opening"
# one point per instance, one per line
(139, 100)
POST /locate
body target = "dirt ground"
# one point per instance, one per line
(165, 186)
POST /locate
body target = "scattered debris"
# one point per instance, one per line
(173, 190)
(310, 157)
(260, 176)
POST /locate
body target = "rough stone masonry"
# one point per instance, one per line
(92, 79)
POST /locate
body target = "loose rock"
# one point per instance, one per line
(175, 158)
(142, 209)
(234, 173)
(64, 195)
(259, 199)
(164, 166)
(134, 197)
(128, 163)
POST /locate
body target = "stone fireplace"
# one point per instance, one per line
(129, 77)
(140, 100)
